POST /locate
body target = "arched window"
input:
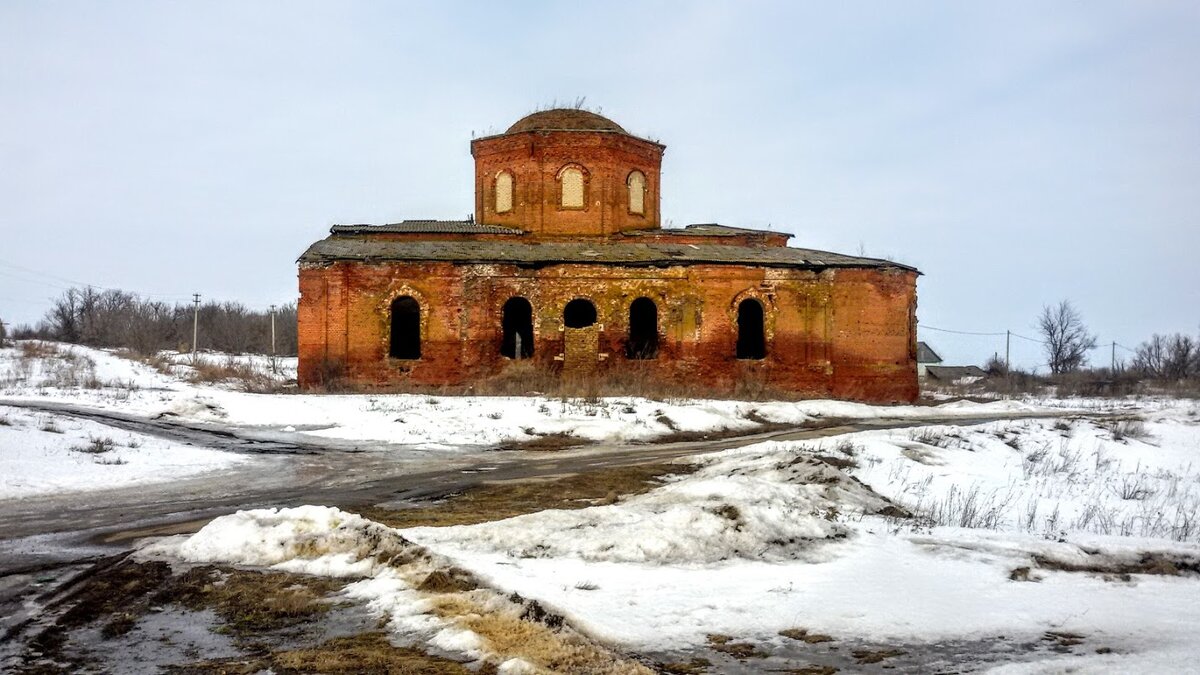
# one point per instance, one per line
(751, 340)
(504, 192)
(637, 192)
(643, 330)
(406, 329)
(517, 323)
(579, 313)
(570, 189)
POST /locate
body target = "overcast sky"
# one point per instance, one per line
(1018, 153)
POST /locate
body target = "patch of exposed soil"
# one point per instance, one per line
(803, 635)
(738, 650)
(545, 443)
(102, 613)
(1148, 563)
(366, 653)
(495, 501)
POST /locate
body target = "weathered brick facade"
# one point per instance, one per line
(831, 325)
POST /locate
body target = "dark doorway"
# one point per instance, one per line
(751, 341)
(406, 329)
(643, 330)
(517, 322)
(579, 313)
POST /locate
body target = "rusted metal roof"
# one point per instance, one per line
(706, 230)
(427, 227)
(601, 252)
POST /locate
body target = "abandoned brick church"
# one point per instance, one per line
(565, 268)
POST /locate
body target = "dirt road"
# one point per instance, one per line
(55, 529)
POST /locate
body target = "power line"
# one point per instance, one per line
(959, 332)
(74, 282)
(1040, 342)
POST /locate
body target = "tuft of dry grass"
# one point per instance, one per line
(96, 446)
(803, 635)
(545, 443)
(252, 602)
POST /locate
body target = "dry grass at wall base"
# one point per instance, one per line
(529, 378)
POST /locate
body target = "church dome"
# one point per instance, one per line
(569, 119)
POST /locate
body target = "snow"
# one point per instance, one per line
(106, 380)
(47, 453)
(768, 509)
(753, 540)
(774, 535)
(874, 578)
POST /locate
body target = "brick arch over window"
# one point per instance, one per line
(405, 338)
(579, 313)
(572, 187)
(642, 342)
(636, 182)
(751, 330)
(516, 323)
(504, 191)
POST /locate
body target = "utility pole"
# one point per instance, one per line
(195, 321)
(1113, 368)
(273, 361)
(1007, 343)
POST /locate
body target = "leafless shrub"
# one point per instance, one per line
(50, 426)
(1126, 429)
(1132, 487)
(96, 446)
(230, 370)
(966, 507)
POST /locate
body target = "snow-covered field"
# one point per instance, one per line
(45, 452)
(174, 386)
(1074, 526)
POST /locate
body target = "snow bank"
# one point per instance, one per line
(317, 540)
(767, 504)
(636, 574)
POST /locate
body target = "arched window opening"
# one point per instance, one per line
(517, 323)
(571, 188)
(637, 192)
(643, 330)
(579, 313)
(751, 341)
(406, 329)
(504, 192)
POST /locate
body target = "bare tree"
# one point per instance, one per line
(1151, 357)
(1168, 357)
(1067, 339)
(114, 318)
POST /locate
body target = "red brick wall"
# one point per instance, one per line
(535, 158)
(847, 333)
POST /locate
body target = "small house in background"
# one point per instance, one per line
(954, 374)
(926, 357)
